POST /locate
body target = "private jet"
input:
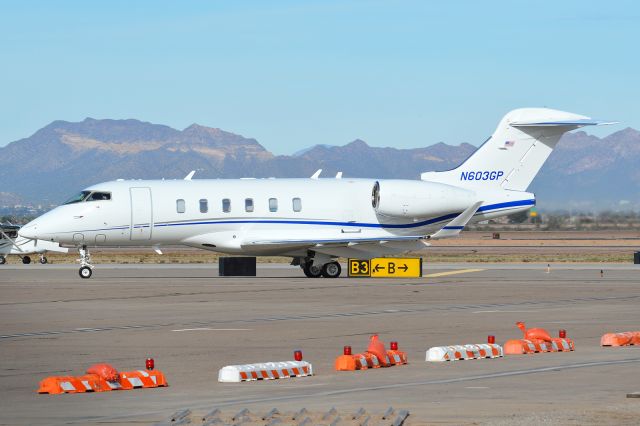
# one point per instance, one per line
(314, 220)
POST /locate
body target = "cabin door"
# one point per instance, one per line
(141, 213)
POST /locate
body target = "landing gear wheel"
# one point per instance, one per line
(3, 260)
(312, 271)
(85, 262)
(26, 260)
(331, 270)
(85, 272)
(44, 260)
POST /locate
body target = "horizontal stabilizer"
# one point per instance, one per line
(453, 228)
(563, 123)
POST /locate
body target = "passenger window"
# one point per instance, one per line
(248, 204)
(297, 204)
(273, 204)
(226, 205)
(180, 206)
(204, 206)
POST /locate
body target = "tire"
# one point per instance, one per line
(44, 260)
(85, 272)
(331, 270)
(312, 271)
(3, 260)
(26, 260)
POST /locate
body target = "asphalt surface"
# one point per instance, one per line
(193, 322)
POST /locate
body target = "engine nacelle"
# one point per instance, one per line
(402, 198)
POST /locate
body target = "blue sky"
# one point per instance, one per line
(297, 73)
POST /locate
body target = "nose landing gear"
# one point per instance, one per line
(86, 268)
(43, 259)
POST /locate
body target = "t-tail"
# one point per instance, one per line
(514, 154)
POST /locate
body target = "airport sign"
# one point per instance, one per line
(386, 267)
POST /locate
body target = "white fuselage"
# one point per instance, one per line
(168, 212)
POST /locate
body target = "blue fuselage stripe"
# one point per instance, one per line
(450, 216)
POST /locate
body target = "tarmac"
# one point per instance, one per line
(193, 322)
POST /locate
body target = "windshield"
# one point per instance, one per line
(89, 196)
(99, 196)
(78, 197)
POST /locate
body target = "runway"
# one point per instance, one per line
(193, 322)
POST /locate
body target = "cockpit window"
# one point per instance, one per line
(89, 196)
(78, 198)
(99, 196)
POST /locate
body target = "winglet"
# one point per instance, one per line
(316, 175)
(453, 228)
(339, 175)
(190, 175)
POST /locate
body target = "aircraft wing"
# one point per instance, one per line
(453, 228)
(347, 247)
(362, 247)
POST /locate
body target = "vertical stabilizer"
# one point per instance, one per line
(516, 151)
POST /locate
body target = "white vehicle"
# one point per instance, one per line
(314, 220)
(11, 243)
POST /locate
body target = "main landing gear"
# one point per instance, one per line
(26, 260)
(3, 260)
(86, 268)
(319, 267)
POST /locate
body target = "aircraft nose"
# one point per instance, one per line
(30, 230)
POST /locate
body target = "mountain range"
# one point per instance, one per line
(584, 172)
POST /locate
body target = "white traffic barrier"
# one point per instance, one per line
(462, 352)
(265, 371)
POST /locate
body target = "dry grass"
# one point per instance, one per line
(477, 247)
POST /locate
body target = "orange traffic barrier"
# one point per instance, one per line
(374, 357)
(96, 382)
(625, 338)
(537, 340)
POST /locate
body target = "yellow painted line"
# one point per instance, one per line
(461, 271)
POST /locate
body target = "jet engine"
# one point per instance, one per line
(402, 198)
